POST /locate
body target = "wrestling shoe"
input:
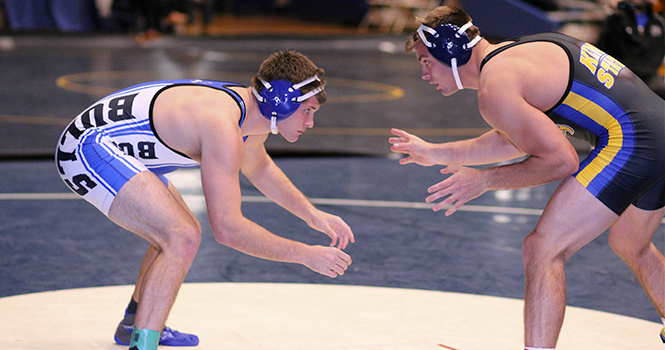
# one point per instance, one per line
(169, 337)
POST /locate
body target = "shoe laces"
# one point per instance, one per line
(168, 333)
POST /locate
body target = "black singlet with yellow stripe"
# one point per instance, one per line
(611, 108)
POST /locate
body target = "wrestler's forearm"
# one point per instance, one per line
(273, 183)
(533, 171)
(490, 147)
(250, 238)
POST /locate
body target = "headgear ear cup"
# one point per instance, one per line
(449, 44)
(279, 99)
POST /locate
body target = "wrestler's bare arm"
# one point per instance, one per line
(509, 104)
(490, 147)
(221, 159)
(503, 105)
(271, 181)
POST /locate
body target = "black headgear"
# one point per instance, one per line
(449, 44)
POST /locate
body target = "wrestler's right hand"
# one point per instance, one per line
(418, 150)
(328, 261)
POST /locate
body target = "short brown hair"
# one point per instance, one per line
(443, 15)
(293, 67)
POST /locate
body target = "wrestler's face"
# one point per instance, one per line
(434, 71)
(302, 119)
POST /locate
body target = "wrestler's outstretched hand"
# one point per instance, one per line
(418, 151)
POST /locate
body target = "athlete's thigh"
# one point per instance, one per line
(573, 217)
(176, 194)
(145, 206)
(121, 187)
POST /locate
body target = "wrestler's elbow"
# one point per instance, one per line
(568, 164)
(222, 236)
(225, 231)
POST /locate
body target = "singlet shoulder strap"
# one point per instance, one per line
(555, 38)
(516, 41)
(239, 101)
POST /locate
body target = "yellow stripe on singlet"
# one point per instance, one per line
(605, 119)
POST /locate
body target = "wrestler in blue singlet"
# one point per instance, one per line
(115, 139)
(611, 108)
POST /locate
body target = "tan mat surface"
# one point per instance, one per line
(310, 317)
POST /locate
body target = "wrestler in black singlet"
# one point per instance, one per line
(611, 108)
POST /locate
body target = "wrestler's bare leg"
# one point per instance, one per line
(563, 229)
(630, 237)
(146, 207)
(152, 251)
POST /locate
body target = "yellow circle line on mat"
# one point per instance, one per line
(22, 119)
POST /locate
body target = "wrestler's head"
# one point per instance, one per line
(285, 80)
(443, 15)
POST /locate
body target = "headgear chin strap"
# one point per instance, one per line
(279, 99)
(450, 45)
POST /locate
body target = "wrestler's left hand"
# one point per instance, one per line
(462, 186)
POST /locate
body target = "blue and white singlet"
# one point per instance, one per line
(115, 139)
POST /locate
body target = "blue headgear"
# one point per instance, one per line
(449, 44)
(279, 99)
